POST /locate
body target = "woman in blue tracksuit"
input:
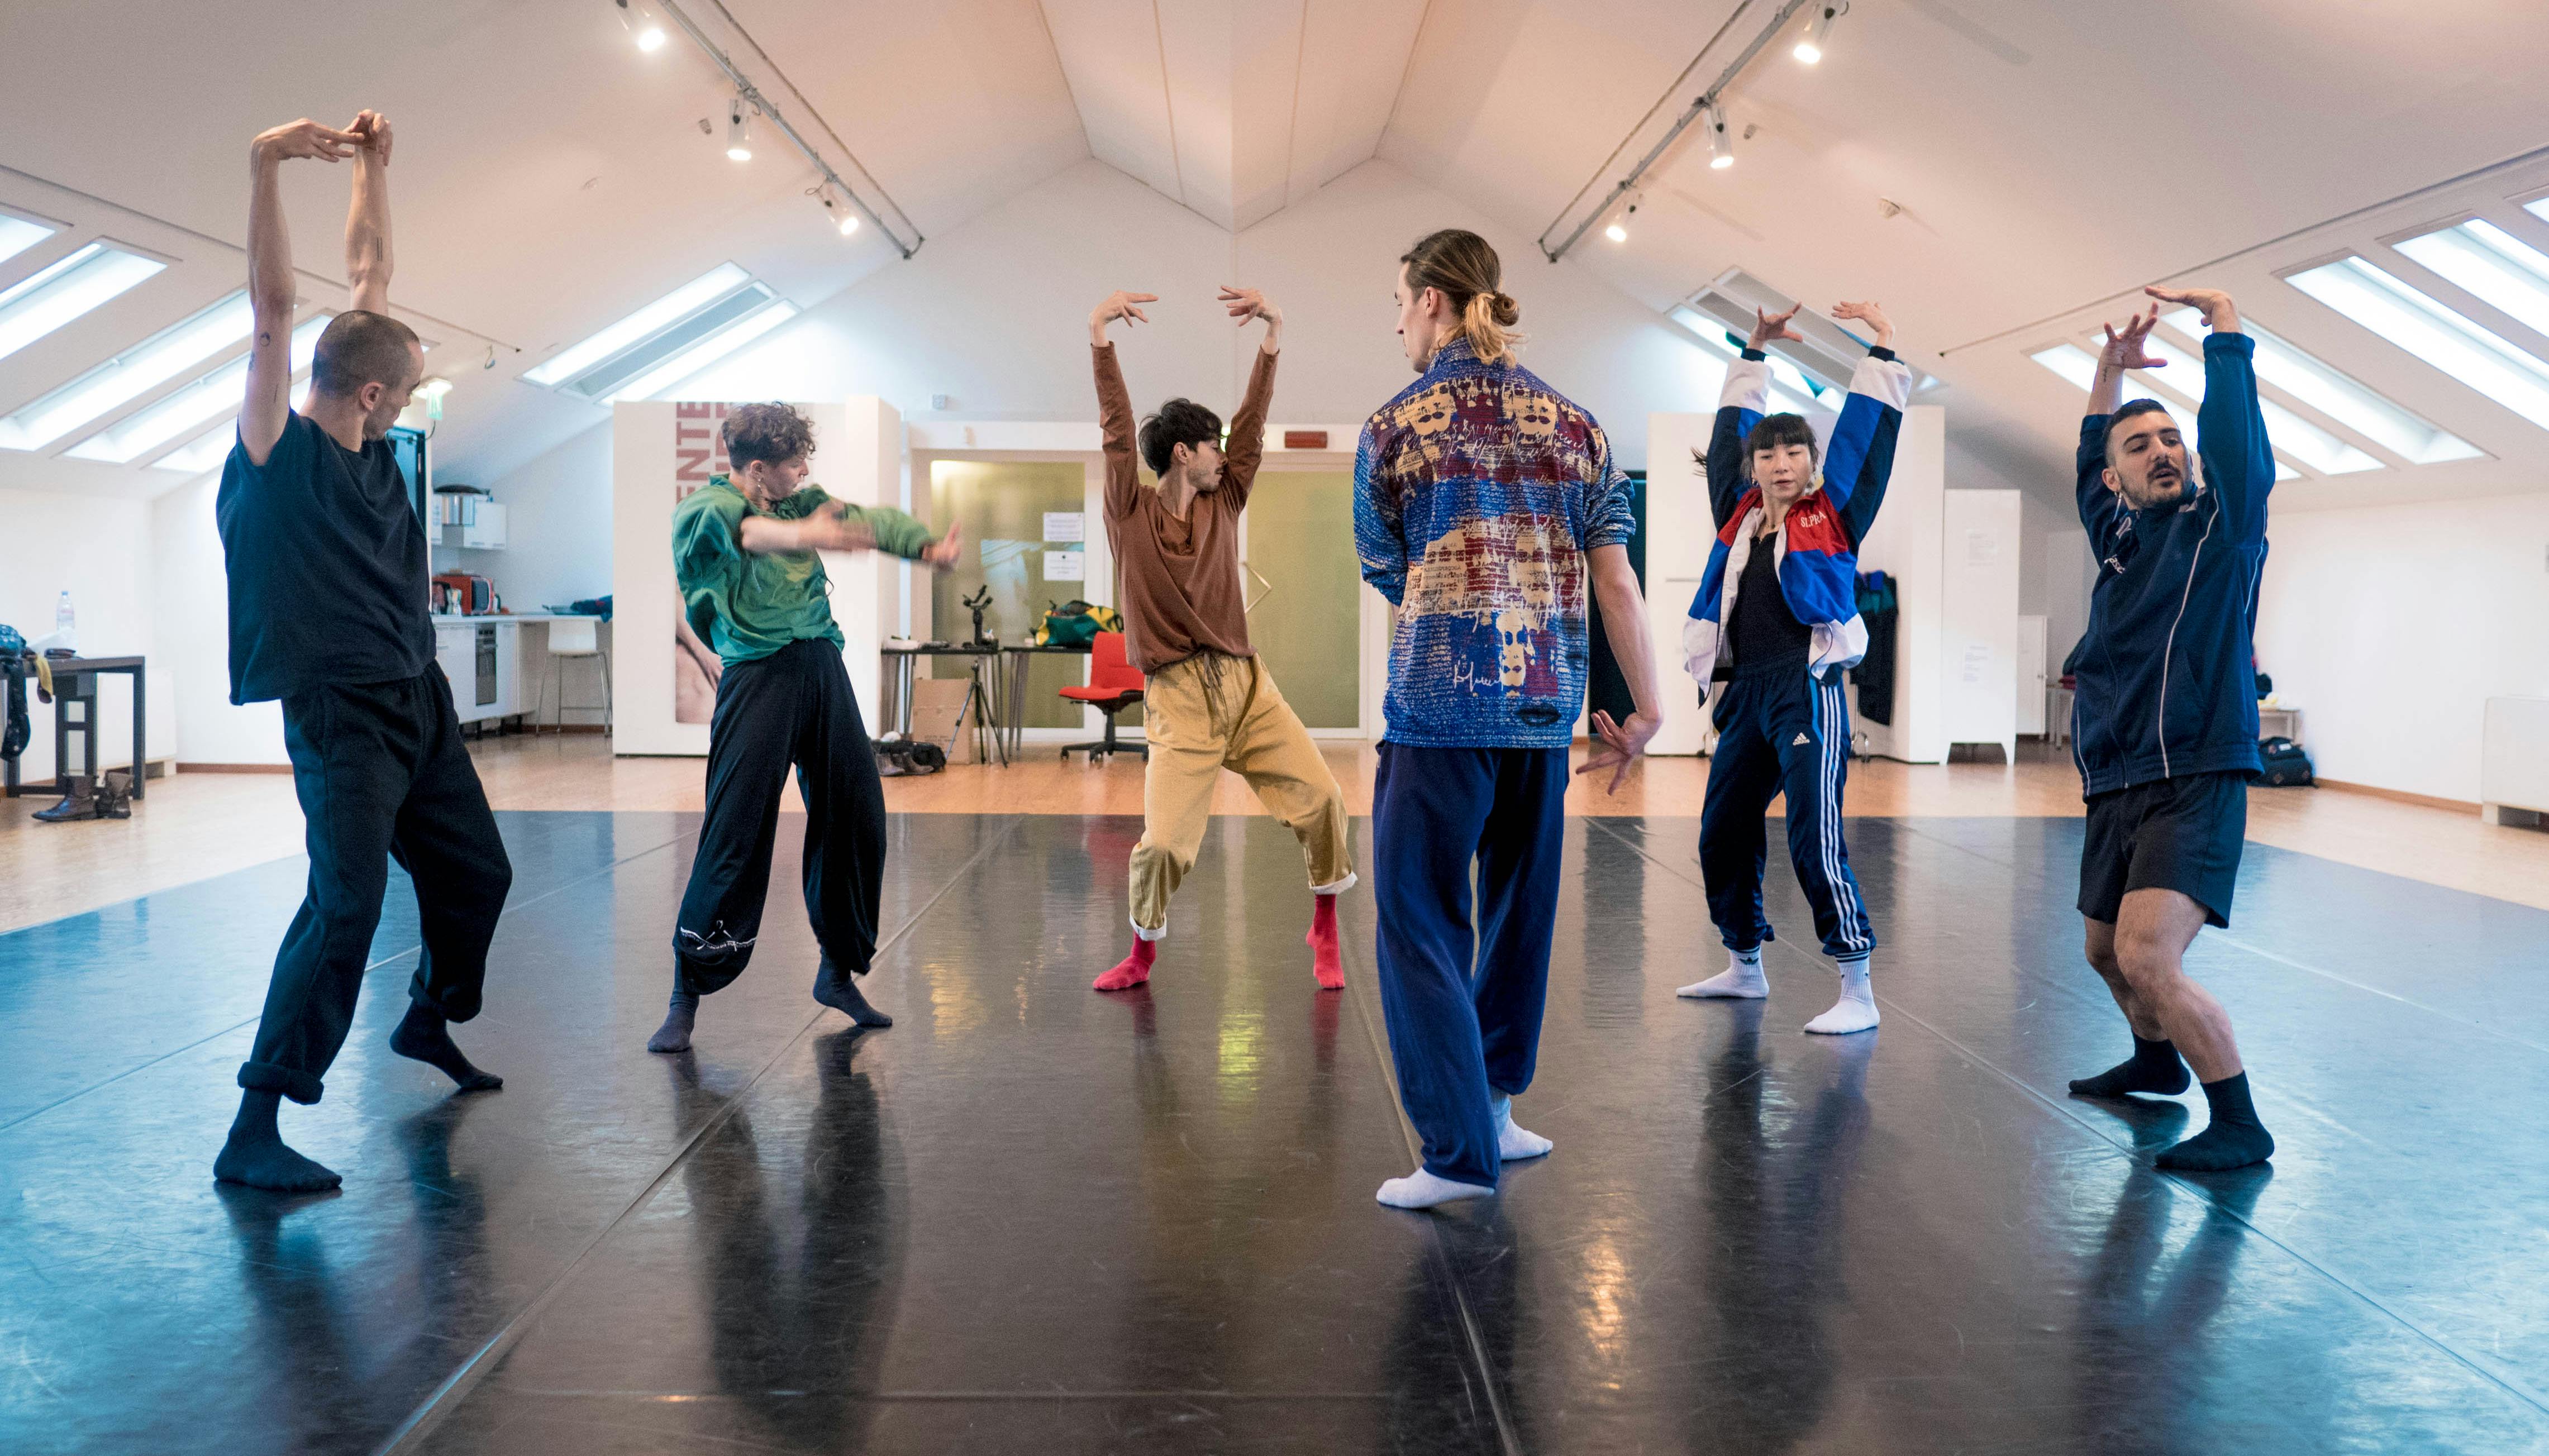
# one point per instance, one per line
(1779, 603)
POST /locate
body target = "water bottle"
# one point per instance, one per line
(65, 623)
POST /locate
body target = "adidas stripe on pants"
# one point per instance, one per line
(1782, 733)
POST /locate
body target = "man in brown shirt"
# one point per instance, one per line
(1209, 705)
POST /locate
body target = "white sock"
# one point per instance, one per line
(1422, 1190)
(1513, 1143)
(1742, 977)
(1856, 1010)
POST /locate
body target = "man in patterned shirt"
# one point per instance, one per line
(1485, 503)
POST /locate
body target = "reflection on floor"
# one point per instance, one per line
(1030, 1217)
(203, 824)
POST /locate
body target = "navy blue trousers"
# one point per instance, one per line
(382, 774)
(1782, 733)
(1465, 1018)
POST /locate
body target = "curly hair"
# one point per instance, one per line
(771, 432)
(1178, 422)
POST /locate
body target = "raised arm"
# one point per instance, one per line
(1739, 407)
(368, 223)
(1858, 459)
(270, 283)
(2238, 459)
(1117, 433)
(1247, 447)
(2122, 351)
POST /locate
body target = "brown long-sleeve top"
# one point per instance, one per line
(1177, 581)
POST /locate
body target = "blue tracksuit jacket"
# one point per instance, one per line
(2165, 674)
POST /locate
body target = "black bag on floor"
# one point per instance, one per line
(2287, 765)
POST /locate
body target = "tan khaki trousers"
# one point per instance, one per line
(1242, 725)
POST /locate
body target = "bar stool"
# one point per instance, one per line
(572, 639)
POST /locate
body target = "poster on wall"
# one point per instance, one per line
(699, 452)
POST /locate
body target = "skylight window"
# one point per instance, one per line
(2309, 444)
(708, 350)
(70, 287)
(2080, 367)
(213, 446)
(2285, 366)
(17, 234)
(2492, 265)
(1714, 334)
(2439, 335)
(129, 375)
(217, 393)
(667, 339)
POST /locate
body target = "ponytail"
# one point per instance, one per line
(1462, 267)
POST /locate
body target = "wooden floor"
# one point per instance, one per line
(198, 825)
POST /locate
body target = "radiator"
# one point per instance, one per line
(2513, 764)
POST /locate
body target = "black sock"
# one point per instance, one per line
(2234, 1140)
(674, 1033)
(2153, 1068)
(839, 991)
(425, 1036)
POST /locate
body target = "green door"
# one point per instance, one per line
(1002, 505)
(1305, 588)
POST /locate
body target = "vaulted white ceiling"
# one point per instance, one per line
(1998, 171)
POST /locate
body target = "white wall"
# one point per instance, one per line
(100, 551)
(190, 610)
(2391, 627)
(557, 526)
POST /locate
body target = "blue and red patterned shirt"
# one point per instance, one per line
(1479, 492)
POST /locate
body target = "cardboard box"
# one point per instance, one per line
(935, 704)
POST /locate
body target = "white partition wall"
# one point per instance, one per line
(1979, 629)
(1681, 528)
(1907, 542)
(663, 451)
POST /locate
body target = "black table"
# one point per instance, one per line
(1013, 717)
(986, 665)
(75, 688)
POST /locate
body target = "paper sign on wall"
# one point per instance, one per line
(1064, 566)
(1982, 548)
(1066, 525)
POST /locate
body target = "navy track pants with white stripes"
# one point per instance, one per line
(1784, 733)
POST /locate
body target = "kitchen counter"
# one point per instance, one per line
(454, 619)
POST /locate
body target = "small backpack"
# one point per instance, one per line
(2287, 765)
(1077, 624)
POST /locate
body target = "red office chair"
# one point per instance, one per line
(1113, 685)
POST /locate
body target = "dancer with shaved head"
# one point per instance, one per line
(327, 565)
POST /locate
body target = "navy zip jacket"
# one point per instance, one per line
(2165, 675)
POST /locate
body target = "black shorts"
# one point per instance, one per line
(2175, 834)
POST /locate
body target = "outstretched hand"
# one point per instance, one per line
(2126, 350)
(943, 553)
(2219, 313)
(1118, 305)
(305, 138)
(1772, 328)
(1868, 312)
(1621, 744)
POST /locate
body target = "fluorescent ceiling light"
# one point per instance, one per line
(2072, 362)
(2439, 335)
(2309, 444)
(1714, 334)
(63, 291)
(17, 234)
(707, 351)
(2490, 263)
(221, 392)
(2297, 373)
(129, 375)
(653, 319)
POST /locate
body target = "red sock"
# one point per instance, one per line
(1132, 970)
(1322, 940)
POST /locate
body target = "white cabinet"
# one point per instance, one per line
(484, 661)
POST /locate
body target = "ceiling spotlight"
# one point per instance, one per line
(738, 132)
(1720, 149)
(641, 23)
(1616, 233)
(842, 214)
(1810, 47)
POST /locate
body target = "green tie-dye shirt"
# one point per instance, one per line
(748, 604)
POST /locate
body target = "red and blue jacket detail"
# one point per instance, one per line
(1818, 541)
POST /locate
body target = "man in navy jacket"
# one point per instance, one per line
(2165, 716)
